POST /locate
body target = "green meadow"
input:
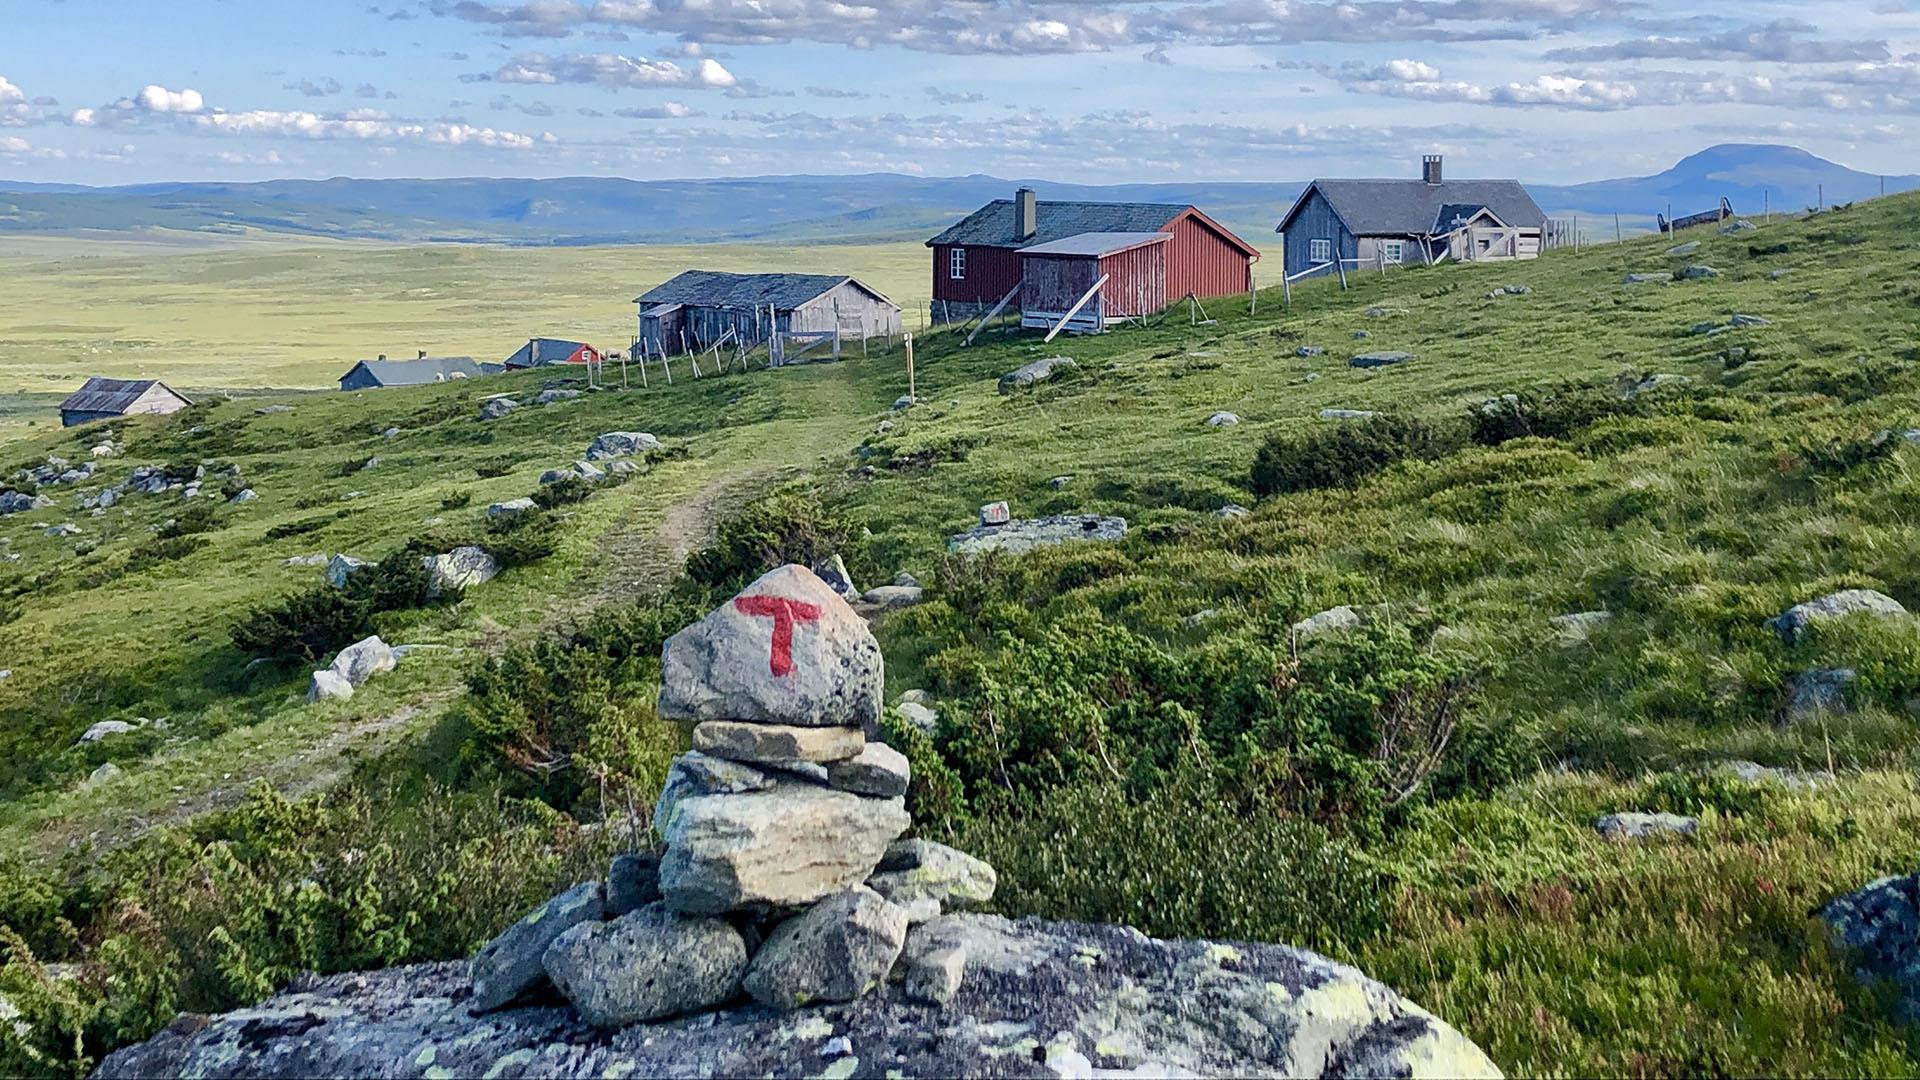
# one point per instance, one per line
(1131, 732)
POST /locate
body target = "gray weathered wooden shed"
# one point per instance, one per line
(701, 308)
(371, 374)
(104, 399)
(1368, 223)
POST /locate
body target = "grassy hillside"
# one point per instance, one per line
(1131, 732)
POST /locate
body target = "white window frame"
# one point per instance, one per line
(1393, 252)
(1319, 250)
(957, 264)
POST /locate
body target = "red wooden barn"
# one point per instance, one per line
(1151, 253)
(544, 352)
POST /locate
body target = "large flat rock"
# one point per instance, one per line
(790, 846)
(1108, 995)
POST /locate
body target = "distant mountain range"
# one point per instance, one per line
(864, 207)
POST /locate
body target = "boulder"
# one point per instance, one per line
(1793, 622)
(839, 949)
(1222, 419)
(1025, 535)
(1880, 926)
(1379, 359)
(648, 964)
(833, 571)
(103, 729)
(1146, 1008)
(362, 660)
(878, 771)
(105, 774)
(776, 744)
(918, 716)
(1739, 225)
(935, 975)
(19, 502)
(1681, 251)
(496, 407)
(1631, 826)
(902, 402)
(461, 568)
(787, 650)
(790, 846)
(619, 444)
(511, 966)
(633, 882)
(328, 685)
(1698, 273)
(1649, 279)
(1329, 621)
(891, 597)
(555, 397)
(511, 508)
(342, 567)
(916, 872)
(1820, 692)
(1038, 371)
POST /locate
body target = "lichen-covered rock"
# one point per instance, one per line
(461, 568)
(618, 444)
(362, 660)
(787, 650)
(694, 773)
(1820, 692)
(1153, 1007)
(915, 872)
(837, 950)
(342, 567)
(328, 685)
(833, 571)
(878, 770)
(1329, 621)
(1024, 535)
(1793, 622)
(645, 965)
(1038, 371)
(496, 407)
(633, 882)
(512, 965)
(1881, 922)
(935, 976)
(790, 846)
(511, 508)
(1635, 826)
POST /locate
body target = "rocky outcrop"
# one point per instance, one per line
(619, 444)
(1024, 535)
(1038, 371)
(1794, 621)
(1880, 924)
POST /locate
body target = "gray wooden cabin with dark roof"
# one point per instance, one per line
(1397, 222)
(700, 308)
(104, 399)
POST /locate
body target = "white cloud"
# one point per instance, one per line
(159, 99)
(615, 72)
(13, 144)
(672, 110)
(10, 94)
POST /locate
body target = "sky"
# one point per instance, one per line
(1553, 91)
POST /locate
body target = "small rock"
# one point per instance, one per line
(1347, 414)
(1880, 926)
(1648, 279)
(328, 685)
(1791, 623)
(935, 975)
(1201, 618)
(362, 660)
(878, 770)
(777, 744)
(1025, 535)
(918, 715)
(105, 728)
(1698, 273)
(1362, 335)
(633, 882)
(65, 528)
(1655, 382)
(891, 597)
(318, 558)
(995, 513)
(461, 568)
(1308, 352)
(555, 397)
(106, 773)
(511, 508)
(1739, 225)
(1578, 626)
(905, 580)
(695, 773)
(619, 444)
(1329, 621)
(1232, 510)
(647, 965)
(916, 870)
(1820, 692)
(1748, 320)
(1379, 359)
(244, 495)
(1060, 482)
(787, 847)
(390, 433)
(1378, 312)
(1785, 271)
(268, 410)
(837, 950)
(340, 568)
(1641, 826)
(1681, 251)
(833, 571)
(1222, 419)
(1038, 371)
(497, 407)
(901, 403)
(1703, 329)
(511, 965)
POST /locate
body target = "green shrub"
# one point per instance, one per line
(565, 491)
(1836, 457)
(1343, 454)
(494, 467)
(522, 539)
(195, 517)
(309, 624)
(787, 527)
(1695, 793)
(1548, 414)
(459, 500)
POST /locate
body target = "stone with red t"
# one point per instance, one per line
(787, 650)
(995, 513)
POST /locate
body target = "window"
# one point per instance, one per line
(957, 263)
(1319, 251)
(1393, 251)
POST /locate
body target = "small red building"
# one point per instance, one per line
(1153, 254)
(542, 352)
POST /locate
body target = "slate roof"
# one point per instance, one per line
(1097, 243)
(552, 351)
(714, 288)
(993, 224)
(112, 395)
(1412, 207)
(416, 372)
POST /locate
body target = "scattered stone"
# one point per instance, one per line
(65, 528)
(916, 872)
(106, 773)
(1755, 773)
(619, 444)
(1025, 535)
(1820, 692)
(776, 744)
(833, 571)
(1791, 623)
(1038, 371)
(511, 966)
(1222, 419)
(1378, 312)
(1510, 290)
(918, 715)
(648, 964)
(891, 597)
(883, 427)
(1232, 510)
(787, 650)
(1578, 626)
(995, 513)
(1347, 414)
(1329, 621)
(1704, 329)
(837, 950)
(906, 580)
(936, 974)
(390, 433)
(1880, 923)
(1738, 225)
(496, 407)
(342, 567)
(318, 558)
(244, 495)
(1698, 273)
(1649, 279)
(461, 568)
(268, 410)
(1641, 826)
(328, 685)
(878, 771)
(19, 502)
(554, 397)
(1362, 335)
(1681, 251)
(1785, 271)
(902, 403)
(511, 508)
(1060, 483)
(1748, 320)
(633, 882)
(790, 846)
(1655, 382)
(1308, 352)
(105, 728)
(1379, 359)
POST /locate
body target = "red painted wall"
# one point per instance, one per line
(1201, 261)
(1136, 280)
(990, 273)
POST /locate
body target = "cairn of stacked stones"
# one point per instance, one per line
(784, 876)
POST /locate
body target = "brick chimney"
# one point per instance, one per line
(1026, 214)
(1430, 169)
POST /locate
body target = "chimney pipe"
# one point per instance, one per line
(423, 354)
(1430, 168)
(382, 356)
(1026, 209)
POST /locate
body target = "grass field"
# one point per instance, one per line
(276, 312)
(1079, 685)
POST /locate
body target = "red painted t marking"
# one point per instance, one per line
(784, 613)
